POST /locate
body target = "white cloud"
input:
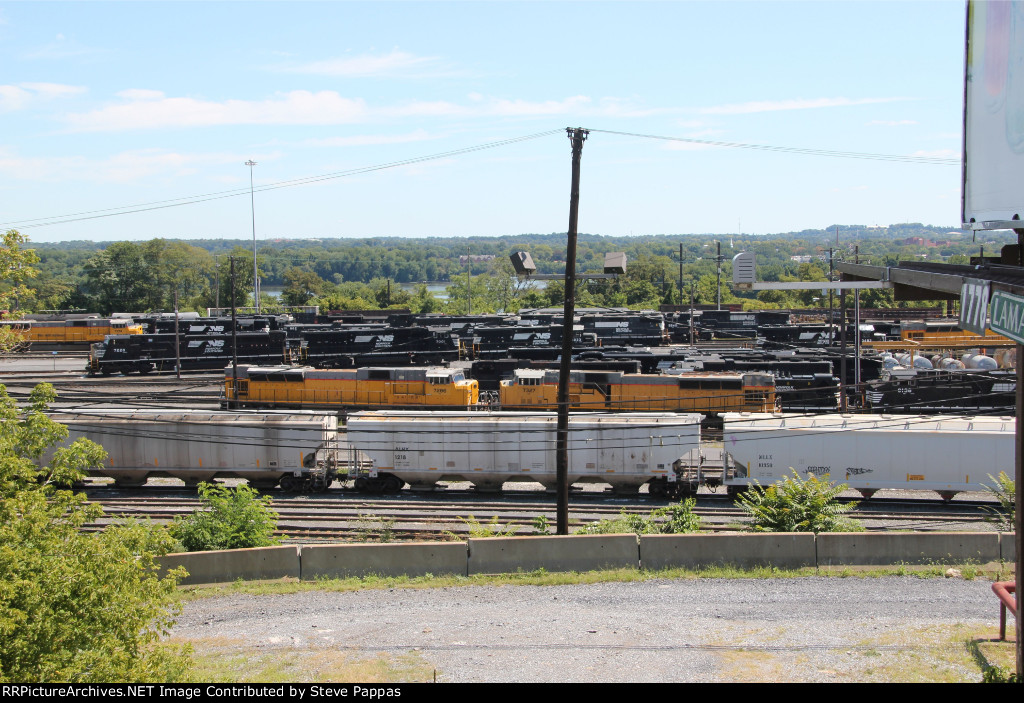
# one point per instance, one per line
(794, 104)
(21, 96)
(62, 48)
(148, 109)
(126, 167)
(891, 123)
(418, 135)
(395, 64)
(153, 110)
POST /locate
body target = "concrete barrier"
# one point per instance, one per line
(410, 559)
(498, 555)
(1008, 547)
(887, 548)
(257, 564)
(789, 550)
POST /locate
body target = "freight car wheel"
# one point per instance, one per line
(288, 483)
(657, 488)
(393, 484)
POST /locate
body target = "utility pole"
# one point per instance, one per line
(177, 339)
(842, 358)
(831, 320)
(255, 274)
(234, 341)
(718, 288)
(577, 137)
(680, 274)
(693, 294)
(856, 325)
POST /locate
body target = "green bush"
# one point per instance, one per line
(995, 674)
(797, 505)
(475, 528)
(74, 606)
(677, 518)
(1005, 491)
(230, 518)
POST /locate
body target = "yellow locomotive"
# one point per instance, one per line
(369, 388)
(613, 391)
(82, 331)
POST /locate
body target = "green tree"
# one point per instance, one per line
(17, 266)
(120, 278)
(301, 285)
(182, 268)
(73, 606)
(230, 518)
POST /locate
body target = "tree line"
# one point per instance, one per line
(343, 274)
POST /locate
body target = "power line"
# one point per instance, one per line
(935, 160)
(202, 198)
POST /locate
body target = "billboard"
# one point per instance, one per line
(993, 143)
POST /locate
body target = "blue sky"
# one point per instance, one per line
(111, 105)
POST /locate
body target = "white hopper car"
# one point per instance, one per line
(492, 448)
(294, 449)
(870, 452)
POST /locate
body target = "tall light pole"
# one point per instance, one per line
(255, 274)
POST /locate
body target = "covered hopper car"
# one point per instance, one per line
(492, 448)
(296, 450)
(870, 452)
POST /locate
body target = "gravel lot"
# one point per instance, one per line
(803, 629)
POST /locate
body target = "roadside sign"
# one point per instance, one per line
(974, 305)
(1008, 316)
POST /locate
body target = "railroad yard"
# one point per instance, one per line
(452, 510)
(445, 507)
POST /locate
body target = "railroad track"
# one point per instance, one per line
(347, 516)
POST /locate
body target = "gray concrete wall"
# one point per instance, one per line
(497, 555)
(1008, 546)
(785, 550)
(593, 552)
(258, 564)
(411, 559)
(883, 548)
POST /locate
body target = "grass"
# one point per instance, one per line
(941, 654)
(953, 653)
(223, 660)
(994, 572)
